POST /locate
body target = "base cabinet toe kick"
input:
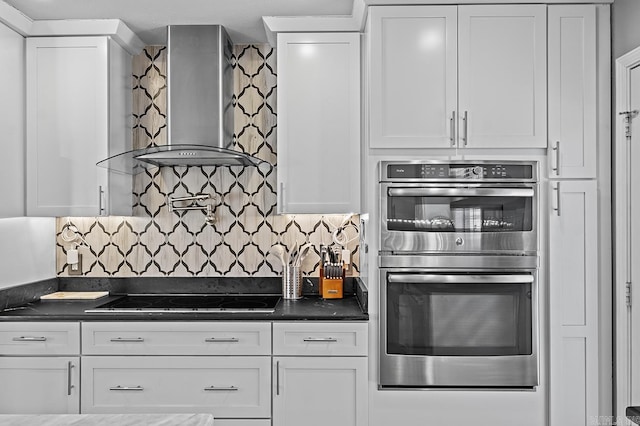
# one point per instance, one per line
(234, 370)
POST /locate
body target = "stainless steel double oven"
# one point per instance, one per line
(458, 274)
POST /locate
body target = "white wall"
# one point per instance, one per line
(27, 250)
(12, 122)
(625, 31)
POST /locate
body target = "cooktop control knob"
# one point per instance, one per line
(477, 170)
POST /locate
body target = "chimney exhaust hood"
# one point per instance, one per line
(200, 106)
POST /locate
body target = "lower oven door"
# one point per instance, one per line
(458, 329)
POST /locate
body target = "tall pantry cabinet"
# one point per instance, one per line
(78, 113)
(575, 187)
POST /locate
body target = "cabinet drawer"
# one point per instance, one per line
(176, 338)
(36, 338)
(223, 386)
(320, 338)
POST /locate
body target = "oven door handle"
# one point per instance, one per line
(455, 279)
(461, 192)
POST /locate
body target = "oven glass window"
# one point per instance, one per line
(459, 319)
(459, 214)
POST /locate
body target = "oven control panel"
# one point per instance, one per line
(436, 171)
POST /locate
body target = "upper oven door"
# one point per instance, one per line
(464, 218)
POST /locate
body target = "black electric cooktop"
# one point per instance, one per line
(189, 303)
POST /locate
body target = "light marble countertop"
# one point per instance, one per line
(106, 419)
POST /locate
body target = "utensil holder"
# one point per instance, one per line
(292, 283)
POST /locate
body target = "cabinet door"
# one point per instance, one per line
(12, 99)
(67, 125)
(318, 123)
(413, 69)
(320, 391)
(502, 76)
(573, 295)
(39, 385)
(572, 91)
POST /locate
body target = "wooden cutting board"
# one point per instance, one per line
(75, 295)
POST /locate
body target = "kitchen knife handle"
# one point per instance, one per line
(128, 339)
(320, 339)
(221, 388)
(556, 148)
(452, 128)
(126, 388)
(30, 339)
(557, 208)
(222, 340)
(69, 384)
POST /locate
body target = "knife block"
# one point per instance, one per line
(332, 288)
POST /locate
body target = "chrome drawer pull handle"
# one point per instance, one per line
(69, 384)
(128, 339)
(127, 388)
(320, 339)
(29, 339)
(221, 388)
(222, 340)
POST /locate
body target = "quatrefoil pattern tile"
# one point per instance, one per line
(157, 242)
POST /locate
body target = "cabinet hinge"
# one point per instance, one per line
(627, 293)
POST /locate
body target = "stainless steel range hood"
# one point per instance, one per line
(200, 105)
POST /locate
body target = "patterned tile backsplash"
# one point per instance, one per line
(157, 242)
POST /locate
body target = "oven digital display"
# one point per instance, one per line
(459, 171)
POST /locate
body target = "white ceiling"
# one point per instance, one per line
(149, 18)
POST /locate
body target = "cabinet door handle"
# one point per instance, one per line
(30, 339)
(320, 339)
(221, 388)
(452, 128)
(556, 148)
(557, 208)
(281, 194)
(126, 388)
(69, 384)
(277, 377)
(128, 339)
(222, 340)
(465, 126)
(101, 208)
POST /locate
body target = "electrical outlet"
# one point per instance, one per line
(76, 268)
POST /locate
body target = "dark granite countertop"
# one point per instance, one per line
(22, 303)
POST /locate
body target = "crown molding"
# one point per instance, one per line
(114, 28)
(356, 21)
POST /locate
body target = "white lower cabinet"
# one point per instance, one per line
(320, 391)
(39, 368)
(223, 386)
(320, 374)
(39, 385)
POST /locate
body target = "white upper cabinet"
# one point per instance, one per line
(414, 87)
(12, 51)
(502, 76)
(458, 76)
(572, 91)
(319, 123)
(78, 111)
